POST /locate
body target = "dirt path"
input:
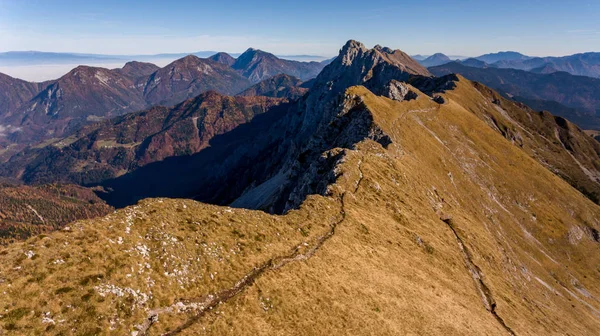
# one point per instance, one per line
(207, 303)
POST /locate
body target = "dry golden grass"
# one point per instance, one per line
(392, 267)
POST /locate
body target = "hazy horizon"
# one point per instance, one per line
(459, 28)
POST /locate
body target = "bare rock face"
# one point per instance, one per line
(315, 167)
(326, 119)
(356, 65)
(433, 85)
(398, 91)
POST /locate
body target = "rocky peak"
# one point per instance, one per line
(328, 118)
(398, 91)
(352, 50)
(357, 65)
(250, 57)
(386, 50)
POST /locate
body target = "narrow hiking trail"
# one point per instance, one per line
(300, 252)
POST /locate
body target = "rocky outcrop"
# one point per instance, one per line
(398, 91)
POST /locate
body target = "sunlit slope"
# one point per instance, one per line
(451, 229)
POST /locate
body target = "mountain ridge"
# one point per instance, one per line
(439, 193)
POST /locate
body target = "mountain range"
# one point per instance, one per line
(33, 112)
(384, 200)
(584, 64)
(375, 198)
(117, 146)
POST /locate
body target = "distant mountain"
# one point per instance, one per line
(84, 94)
(223, 58)
(188, 77)
(136, 70)
(545, 69)
(435, 60)
(419, 57)
(114, 147)
(586, 64)
(473, 62)
(279, 86)
(257, 65)
(503, 56)
(578, 92)
(32, 112)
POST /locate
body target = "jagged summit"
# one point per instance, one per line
(356, 65)
(356, 50)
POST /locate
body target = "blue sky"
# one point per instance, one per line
(460, 27)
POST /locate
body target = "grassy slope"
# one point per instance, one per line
(392, 266)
